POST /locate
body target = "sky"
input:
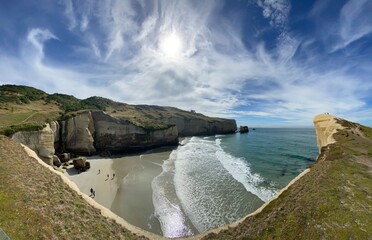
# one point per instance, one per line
(262, 62)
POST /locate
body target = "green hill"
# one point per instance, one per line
(27, 108)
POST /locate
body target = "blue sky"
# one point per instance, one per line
(262, 62)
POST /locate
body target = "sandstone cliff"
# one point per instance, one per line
(77, 134)
(112, 134)
(96, 124)
(188, 126)
(42, 142)
(325, 126)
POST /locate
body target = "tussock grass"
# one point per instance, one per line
(36, 204)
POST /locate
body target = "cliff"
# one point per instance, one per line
(325, 127)
(42, 142)
(188, 126)
(89, 132)
(331, 200)
(49, 122)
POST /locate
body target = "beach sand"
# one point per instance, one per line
(129, 193)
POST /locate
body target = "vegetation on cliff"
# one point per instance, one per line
(23, 108)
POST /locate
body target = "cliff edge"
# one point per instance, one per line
(325, 126)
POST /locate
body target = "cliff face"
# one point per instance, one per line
(195, 126)
(112, 134)
(77, 134)
(325, 126)
(42, 142)
(89, 132)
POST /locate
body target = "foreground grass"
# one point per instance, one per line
(332, 201)
(36, 204)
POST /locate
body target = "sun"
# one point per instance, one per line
(171, 45)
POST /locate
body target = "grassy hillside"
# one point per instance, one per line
(333, 201)
(36, 204)
(27, 108)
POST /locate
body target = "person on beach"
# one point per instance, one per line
(91, 192)
(99, 171)
(113, 175)
(108, 175)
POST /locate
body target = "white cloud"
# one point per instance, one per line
(215, 74)
(37, 37)
(70, 15)
(355, 22)
(276, 11)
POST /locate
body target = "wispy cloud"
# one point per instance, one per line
(355, 22)
(119, 47)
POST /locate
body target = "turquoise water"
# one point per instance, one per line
(212, 181)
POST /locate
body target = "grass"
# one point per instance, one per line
(26, 117)
(36, 204)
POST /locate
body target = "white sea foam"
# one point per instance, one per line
(167, 206)
(203, 184)
(209, 194)
(241, 171)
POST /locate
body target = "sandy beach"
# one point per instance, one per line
(129, 193)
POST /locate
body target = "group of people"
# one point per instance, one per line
(92, 191)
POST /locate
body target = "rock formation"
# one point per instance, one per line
(81, 164)
(77, 134)
(117, 135)
(88, 132)
(243, 129)
(325, 126)
(42, 142)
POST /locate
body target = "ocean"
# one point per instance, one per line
(211, 181)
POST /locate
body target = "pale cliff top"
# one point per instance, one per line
(323, 117)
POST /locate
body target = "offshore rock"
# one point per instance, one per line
(243, 129)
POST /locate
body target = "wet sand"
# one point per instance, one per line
(129, 193)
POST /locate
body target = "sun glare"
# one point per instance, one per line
(171, 45)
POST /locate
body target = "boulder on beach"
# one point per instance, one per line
(81, 163)
(56, 161)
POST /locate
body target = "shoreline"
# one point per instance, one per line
(105, 211)
(129, 192)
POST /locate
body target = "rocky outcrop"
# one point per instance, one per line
(202, 126)
(77, 134)
(243, 129)
(42, 142)
(81, 164)
(325, 126)
(118, 135)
